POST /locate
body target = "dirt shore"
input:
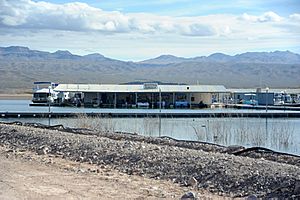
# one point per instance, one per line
(156, 159)
(26, 175)
(15, 96)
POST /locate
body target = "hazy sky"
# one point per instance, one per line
(137, 30)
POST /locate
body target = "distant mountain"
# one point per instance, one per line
(18, 52)
(164, 59)
(219, 57)
(14, 52)
(63, 55)
(95, 56)
(283, 57)
(21, 66)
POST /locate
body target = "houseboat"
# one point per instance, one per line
(43, 93)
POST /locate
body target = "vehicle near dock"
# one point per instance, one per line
(181, 104)
(250, 99)
(143, 104)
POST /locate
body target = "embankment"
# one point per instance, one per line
(210, 167)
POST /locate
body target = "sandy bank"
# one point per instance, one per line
(15, 96)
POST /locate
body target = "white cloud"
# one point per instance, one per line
(266, 17)
(82, 17)
(71, 16)
(76, 16)
(197, 30)
(270, 17)
(295, 17)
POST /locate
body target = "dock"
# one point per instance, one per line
(289, 107)
(163, 114)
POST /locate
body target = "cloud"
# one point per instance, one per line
(266, 17)
(295, 17)
(71, 16)
(82, 17)
(197, 30)
(76, 16)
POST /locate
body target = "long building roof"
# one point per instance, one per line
(273, 90)
(140, 88)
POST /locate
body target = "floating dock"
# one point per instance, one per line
(294, 107)
(169, 114)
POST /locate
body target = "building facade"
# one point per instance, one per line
(147, 95)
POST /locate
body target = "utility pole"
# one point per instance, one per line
(49, 107)
(267, 91)
(159, 116)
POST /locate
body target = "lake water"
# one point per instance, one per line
(280, 134)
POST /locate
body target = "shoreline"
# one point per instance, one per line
(5, 96)
(200, 165)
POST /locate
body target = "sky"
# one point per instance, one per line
(135, 30)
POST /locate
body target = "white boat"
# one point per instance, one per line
(143, 104)
(44, 92)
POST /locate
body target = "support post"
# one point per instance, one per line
(174, 96)
(190, 100)
(159, 117)
(159, 100)
(267, 91)
(136, 99)
(115, 100)
(49, 106)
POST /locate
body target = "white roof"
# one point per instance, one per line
(139, 88)
(43, 90)
(272, 90)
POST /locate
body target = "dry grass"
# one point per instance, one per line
(277, 134)
(98, 123)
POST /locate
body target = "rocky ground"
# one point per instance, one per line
(26, 175)
(226, 171)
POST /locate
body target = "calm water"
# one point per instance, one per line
(281, 134)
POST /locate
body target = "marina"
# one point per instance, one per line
(277, 130)
(208, 113)
(149, 99)
(162, 96)
(21, 109)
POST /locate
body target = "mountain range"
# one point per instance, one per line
(282, 57)
(21, 66)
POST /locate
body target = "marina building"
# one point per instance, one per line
(147, 95)
(154, 95)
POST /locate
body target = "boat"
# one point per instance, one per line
(43, 93)
(250, 99)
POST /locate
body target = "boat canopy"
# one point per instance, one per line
(45, 83)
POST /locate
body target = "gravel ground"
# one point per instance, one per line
(26, 175)
(203, 165)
